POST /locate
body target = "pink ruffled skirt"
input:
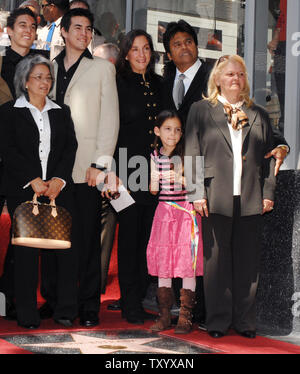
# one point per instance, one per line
(169, 252)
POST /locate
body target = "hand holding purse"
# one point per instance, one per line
(41, 225)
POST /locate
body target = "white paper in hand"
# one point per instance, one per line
(123, 201)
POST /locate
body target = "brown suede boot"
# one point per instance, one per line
(165, 301)
(187, 303)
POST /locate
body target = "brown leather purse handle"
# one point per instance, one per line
(35, 209)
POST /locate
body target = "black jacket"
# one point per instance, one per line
(19, 147)
(140, 104)
(194, 93)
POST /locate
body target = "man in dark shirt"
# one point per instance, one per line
(9, 63)
(64, 77)
(21, 29)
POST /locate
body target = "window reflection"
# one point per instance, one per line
(277, 50)
(109, 18)
(219, 24)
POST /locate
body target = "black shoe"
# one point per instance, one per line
(148, 316)
(216, 334)
(30, 326)
(10, 310)
(88, 319)
(251, 334)
(134, 318)
(115, 305)
(198, 318)
(64, 321)
(46, 311)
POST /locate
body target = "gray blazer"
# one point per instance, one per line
(207, 134)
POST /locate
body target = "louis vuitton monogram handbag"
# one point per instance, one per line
(41, 225)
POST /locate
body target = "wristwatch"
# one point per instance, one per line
(102, 168)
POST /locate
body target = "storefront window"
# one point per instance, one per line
(109, 15)
(109, 18)
(219, 24)
(5, 4)
(4, 41)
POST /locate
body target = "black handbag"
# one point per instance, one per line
(41, 225)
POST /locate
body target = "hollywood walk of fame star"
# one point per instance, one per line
(98, 345)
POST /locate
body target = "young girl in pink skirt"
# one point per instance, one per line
(175, 245)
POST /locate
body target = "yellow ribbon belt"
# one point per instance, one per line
(194, 231)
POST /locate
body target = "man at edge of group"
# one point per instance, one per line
(21, 29)
(53, 10)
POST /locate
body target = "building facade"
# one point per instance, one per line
(245, 27)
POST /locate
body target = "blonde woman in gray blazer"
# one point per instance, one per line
(233, 135)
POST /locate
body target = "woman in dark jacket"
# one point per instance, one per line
(38, 147)
(139, 91)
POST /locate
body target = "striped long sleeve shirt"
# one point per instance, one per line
(170, 189)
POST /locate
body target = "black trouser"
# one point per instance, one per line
(108, 228)
(6, 280)
(26, 270)
(7, 277)
(2, 201)
(88, 202)
(135, 224)
(231, 264)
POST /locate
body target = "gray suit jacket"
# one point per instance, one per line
(207, 134)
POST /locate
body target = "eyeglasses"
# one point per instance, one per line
(40, 78)
(222, 59)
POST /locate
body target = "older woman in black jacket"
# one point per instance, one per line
(38, 147)
(140, 101)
